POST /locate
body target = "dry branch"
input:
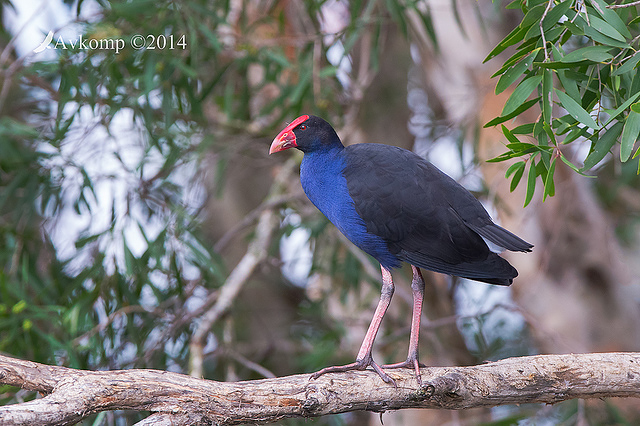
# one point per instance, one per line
(72, 395)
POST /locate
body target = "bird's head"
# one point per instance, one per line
(307, 133)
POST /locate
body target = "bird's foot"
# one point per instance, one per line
(361, 364)
(411, 363)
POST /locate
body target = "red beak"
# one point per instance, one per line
(286, 138)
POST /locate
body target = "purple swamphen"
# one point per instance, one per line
(396, 206)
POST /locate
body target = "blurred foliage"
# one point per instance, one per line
(576, 61)
(181, 100)
(108, 161)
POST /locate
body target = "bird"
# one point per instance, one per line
(397, 207)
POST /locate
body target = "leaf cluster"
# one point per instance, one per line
(576, 62)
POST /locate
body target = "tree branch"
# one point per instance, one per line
(618, 6)
(173, 398)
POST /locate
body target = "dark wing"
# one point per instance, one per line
(426, 218)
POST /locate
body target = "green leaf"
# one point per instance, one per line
(576, 133)
(635, 83)
(513, 73)
(630, 134)
(573, 167)
(396, 12)
(521, 93)
(531, 183)
(557, 65)
(525, 106)
(549, 132)
(547, 95)
(515, 5)
(573, 28)
(602, 146)
(427, 22)
(510, 137)
(459, 20)
(514, 59)
(576, 110)
(512, 38)
(611, 17)
(628, 66)
(328, 71)
(512, 168)
(624, 106)
(591, 53)
(597, 36)
(553, 16)
(569, 84)
(133, 9)
(549, 187)
(564, 124)
(278, 57)
(532, 17)
(519, 149)
(517, 169)
(523, 129)
(556, 14)
(526, 148)
(604, 28)
(553, 34)
(600, 38)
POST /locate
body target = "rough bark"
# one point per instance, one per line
(71, 395)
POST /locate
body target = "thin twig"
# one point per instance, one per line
(619, 6)
(9, 47)
(245, 362)
(250, 218)
(544, 40)
(17, 64)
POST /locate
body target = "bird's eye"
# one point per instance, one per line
(302, 127)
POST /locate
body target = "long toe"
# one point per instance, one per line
(358, 365)
(404, 364)
(339, 369)
(413, 364)
(384, 376)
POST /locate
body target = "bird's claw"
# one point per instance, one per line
(410, 363)
(357, 365)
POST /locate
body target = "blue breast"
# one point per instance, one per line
(325, 185)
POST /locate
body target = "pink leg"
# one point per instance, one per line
(417, 286)
(364, 358)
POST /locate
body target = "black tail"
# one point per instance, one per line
(492, 270)
(501, 237)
